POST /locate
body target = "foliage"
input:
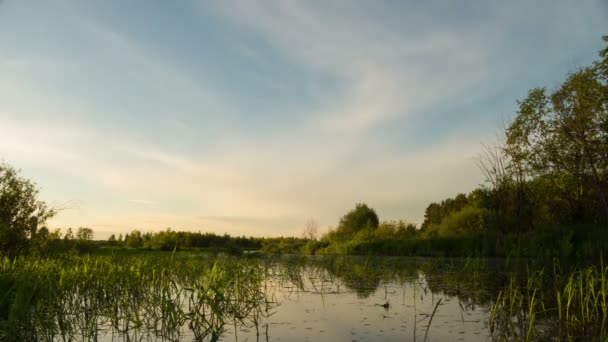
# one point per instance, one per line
(283, 245)
(169, 240)
(360, 218)
(436, 212)
(312, 247)
(84, 234)
(547, 182)
(468, 221)
(557, 154)
(22, 214)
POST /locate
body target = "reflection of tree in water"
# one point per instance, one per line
(472, 285)
(364, 275)
(355, 274)
(361, 279)
(471, 282)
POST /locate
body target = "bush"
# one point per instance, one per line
(469, 220)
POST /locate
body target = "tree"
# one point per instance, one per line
(21, 212)
(40, 241)
(55, 235)
(311, 230)
(526, 139)
(358, 219)
(84, 234)
(581, 111)
(134, 239)
(112, 240)
(602, 65)
(558, 142)
(69, 235)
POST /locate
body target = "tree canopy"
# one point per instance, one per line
(22, 214)
(359, 218)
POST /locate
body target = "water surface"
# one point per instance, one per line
(367, 299)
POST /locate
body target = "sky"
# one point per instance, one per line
(252, 117)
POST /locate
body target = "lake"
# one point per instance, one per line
(366, 299)
(376, 306)
(200, 297)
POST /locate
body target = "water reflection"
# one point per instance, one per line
(262, 299)
(385, 299)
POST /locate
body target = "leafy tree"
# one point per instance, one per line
(134, 239)
(55, 235)
(69, 235)
(21, 212)
(467, 221)
(395, 230)
(435, 213)
(112, 240)
(602, 65)
(432, 215)
(40, 241)
(406, 230)
(526, 139)
(563, 138)
(581, 113)
(359, 218)
(84, 234)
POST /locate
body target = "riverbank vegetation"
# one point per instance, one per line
(545, 194)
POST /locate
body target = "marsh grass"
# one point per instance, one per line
(177, 296)
(562, 306)
(80, 298)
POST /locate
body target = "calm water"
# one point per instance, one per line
(338, 313)
(355, 299)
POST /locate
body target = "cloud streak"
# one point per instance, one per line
(382, 73)
(273, 111)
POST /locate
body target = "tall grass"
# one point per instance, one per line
(571, 306)
(81, 298)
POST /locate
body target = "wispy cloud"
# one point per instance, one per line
(385, 103)
(382, 72)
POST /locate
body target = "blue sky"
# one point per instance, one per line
(250, 117)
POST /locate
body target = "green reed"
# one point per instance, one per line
(571, 306)
(80, 298)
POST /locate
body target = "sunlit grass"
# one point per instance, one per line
(80, 297)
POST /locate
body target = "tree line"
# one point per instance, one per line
(545, 192)
(548, 177)
(168, 240)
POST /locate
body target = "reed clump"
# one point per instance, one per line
(81, 297)
(557, 306)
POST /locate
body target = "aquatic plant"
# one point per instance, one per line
(85, 297)
(567, 306)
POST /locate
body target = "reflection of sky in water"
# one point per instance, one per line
(345, 316)
(344, 303)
